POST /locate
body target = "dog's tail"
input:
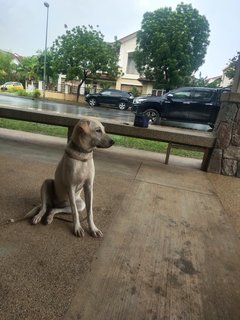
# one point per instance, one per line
(30, 214)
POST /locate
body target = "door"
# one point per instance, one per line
(107, 97)
(202, 105)
(176, 105)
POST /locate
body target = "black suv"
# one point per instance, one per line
(122, 99)
(188, 104)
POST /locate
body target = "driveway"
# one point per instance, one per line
(170, 248)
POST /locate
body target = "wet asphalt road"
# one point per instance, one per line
(99, 111)
(103, 112)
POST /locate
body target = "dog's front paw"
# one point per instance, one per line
(79, 232)
(96, 233)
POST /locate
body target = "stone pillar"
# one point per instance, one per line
(225, 158)
(236, 80)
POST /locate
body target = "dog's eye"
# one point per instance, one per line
(98, 130)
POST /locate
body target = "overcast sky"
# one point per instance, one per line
(23, 24)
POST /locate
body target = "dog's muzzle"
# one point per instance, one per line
(112, 142)
(106, 143)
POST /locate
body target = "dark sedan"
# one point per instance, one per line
(121, 99)
(188, 104)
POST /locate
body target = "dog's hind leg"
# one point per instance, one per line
(47, 194)
(32, 212)
(80, 202)
(55, 211)
(67, 209)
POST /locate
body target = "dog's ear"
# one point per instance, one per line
(83, 125)
(81, 131)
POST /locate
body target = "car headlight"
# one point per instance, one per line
(139, 100)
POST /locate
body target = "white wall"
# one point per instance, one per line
(128, 45)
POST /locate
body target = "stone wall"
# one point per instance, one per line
(64, 96)
(225, 158)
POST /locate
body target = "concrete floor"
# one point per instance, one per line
(170, 248)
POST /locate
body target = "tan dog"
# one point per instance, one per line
(74, 172)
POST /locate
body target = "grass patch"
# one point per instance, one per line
(34, 127)
(154, 146)
(23, 93)
(140, 144)
(122, 141)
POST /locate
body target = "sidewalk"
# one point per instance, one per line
(170, 248)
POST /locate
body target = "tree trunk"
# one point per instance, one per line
(81, 82)
(78, 88)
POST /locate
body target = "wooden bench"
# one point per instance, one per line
(175, 137)
(205, 151)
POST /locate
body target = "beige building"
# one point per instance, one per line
(128, 80)
(130, 77)
(225, 80)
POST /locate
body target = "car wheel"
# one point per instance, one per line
(92, 102)
(122, 105)
(153, 115)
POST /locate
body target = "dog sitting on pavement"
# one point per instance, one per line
(74, 173)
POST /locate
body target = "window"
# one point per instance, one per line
(183, 94)
(131, 66)
(115, 93)
(203, 95)
(106, 93)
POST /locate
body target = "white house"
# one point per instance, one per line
(130, 77)
(225, 80)
(16, 58)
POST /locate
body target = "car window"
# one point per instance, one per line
(125, 94)
(181, 94)
(116, 93)
(106, 93)
(203, 95)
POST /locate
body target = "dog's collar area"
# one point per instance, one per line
(78, 155)
(77, 148)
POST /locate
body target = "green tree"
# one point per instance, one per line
(50, 75)
(82, 53)
(32, 68)
(171, 45)
(231, 68)
(28, 68)
(198, 82)
(7, 67)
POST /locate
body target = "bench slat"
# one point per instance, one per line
(176, 137)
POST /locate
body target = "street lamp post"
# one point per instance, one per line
(45, 52)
